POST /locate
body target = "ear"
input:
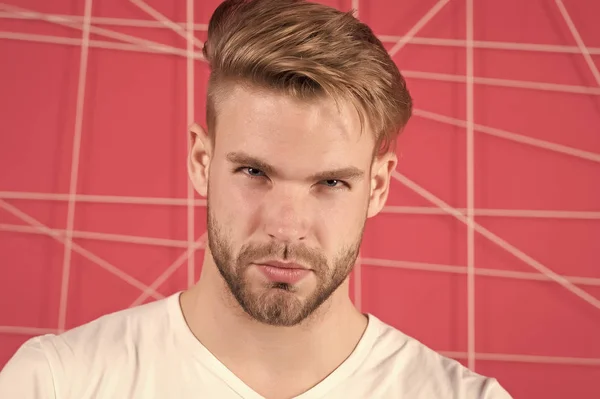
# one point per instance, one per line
(199, 158)
(381, 173)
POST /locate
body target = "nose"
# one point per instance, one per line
(286, 215)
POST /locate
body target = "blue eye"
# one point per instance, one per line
(253, 172)
(335, 184)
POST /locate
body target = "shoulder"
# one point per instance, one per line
(110, 335)
(119, 328)
(423, 372)
(27, 374)
(98, 345)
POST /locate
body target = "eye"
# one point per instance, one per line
(252, 172)
(333, 183)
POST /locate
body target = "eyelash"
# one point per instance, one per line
(244, 169)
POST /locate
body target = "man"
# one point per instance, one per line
(303, 108)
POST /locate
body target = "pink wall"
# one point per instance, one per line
(540, 339)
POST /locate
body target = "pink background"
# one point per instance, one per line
(130, 203)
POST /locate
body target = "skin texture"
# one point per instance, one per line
(290, 181)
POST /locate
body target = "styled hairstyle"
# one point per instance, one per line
(306, 50)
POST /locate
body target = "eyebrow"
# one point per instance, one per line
(346, 173)
(241, 158)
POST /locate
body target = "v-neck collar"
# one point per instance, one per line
(338, 376)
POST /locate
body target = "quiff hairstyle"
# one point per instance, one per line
(306, 50)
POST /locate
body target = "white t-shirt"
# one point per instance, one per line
(149, 352)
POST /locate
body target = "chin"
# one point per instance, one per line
(276, 304)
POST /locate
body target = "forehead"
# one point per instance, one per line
(277, 126)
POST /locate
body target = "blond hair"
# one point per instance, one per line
(306, 50)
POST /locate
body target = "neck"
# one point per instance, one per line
(305, 353)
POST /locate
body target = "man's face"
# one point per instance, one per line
(288, 192)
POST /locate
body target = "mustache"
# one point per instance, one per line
(251, 253)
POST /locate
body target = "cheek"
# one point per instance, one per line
(339, 221)
(234, 206)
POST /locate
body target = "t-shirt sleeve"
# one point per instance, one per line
(27, 375)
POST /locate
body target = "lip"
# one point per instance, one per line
(283, 272)
(283, 265)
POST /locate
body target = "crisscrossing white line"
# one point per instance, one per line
(124, 42)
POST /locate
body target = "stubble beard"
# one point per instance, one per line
(275, 303)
